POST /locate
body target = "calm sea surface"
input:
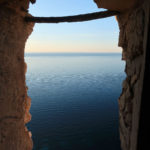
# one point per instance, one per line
(74, 100)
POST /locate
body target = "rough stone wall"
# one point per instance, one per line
(133, 36)
(14, 102)
(117, 5)
(133, 23)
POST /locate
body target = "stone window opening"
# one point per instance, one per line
(133, 23)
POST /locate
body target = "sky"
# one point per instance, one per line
(91, 36)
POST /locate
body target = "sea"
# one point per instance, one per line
(74, 100)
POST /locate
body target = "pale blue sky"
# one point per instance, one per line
(92, 36)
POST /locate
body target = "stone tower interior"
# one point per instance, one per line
(133, 20)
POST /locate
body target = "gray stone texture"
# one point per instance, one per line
(133, 23)
(133, 26)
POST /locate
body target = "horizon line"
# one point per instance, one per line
(70, 52)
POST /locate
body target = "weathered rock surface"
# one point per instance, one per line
(133, 36)
(133, 24)
(117, 5)
(14, 102)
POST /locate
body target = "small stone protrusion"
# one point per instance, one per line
(32, 1)
(25, 67)
(27, 117)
